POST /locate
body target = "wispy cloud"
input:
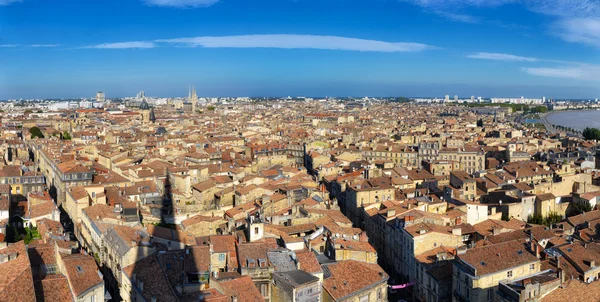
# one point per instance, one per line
(293, 41)
(584, 72)
(123, 45)
(501, 57)
(45, 45)
(575, 20)
(565, 69)
(181, 3)
(9, 45)
(455, 9)
(7, 2)
(579, 30)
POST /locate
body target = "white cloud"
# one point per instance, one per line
(292, 41)
(586, 31)
(181, 3)
(453, 9)
(7, 2)
(576, 20)
(500, 57)
(45, 45)
(585, 72)
(565, 8)
(123, 45)
(9, 45)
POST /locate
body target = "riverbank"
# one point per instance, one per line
(576, 119)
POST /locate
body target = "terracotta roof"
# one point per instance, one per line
(199, 219)
(148, 270)
(243, 288)
(308, 262)
(350, 277)
(16, 281)
(82, 272)
(497, 257)
(53, 288)
(574, 291)
(197, 260)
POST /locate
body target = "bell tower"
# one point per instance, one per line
(145, 112)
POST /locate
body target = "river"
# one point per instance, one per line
(576, 119)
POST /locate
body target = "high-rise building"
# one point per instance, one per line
(100, 97)
(456, 98)
(141, 95)
(447, 98)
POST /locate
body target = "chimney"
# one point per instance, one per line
(561, 275)
(495, 231)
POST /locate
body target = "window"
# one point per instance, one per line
(264, 290)
(509, 274)
(364, 298)
(256, 231)
(532, 266)
(490, 293)
(93, 299)
(221, 257)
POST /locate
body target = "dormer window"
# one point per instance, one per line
(262, 262)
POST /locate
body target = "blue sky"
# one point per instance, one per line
(73, 48)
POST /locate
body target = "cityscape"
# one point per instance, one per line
(282, 150)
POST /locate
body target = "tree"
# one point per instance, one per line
(211, 108)
(36, 132)
(553, 218)
(66, 136)
(582, 208)
(28, 111)
(480, 123)
(591, 133)
(505, 216)
(535, 219)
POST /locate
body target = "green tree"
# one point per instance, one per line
(36, 132)
(582, 208)
(535, 219)
(591, 133)
(66, 136)
(28, 111)
(31, 234)
(211, 108)
(553, 218)
(505, 216)
(480, 123)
